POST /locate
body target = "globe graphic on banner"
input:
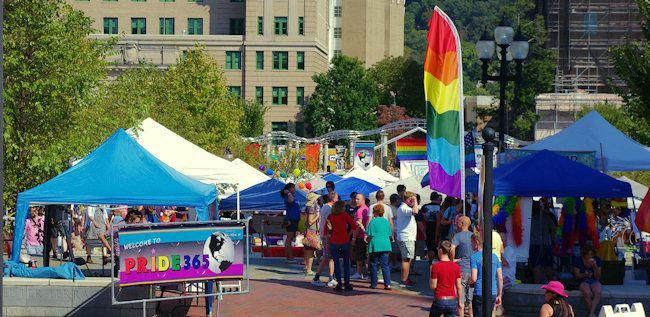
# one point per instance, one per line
(220, 250)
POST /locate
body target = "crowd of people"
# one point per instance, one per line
(75, 228)
(388, 236)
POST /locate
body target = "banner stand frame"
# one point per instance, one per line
(243, 286)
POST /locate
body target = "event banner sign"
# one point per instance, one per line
(585, 157)
(364, 154)
(154, 255)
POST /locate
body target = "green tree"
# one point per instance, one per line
(632, 64)
(51, 71)
(403, 77)
(344, 98)
(252, 122)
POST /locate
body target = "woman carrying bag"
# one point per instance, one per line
(311, 241)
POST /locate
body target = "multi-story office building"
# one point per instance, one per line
(367, 29)
(269, 49)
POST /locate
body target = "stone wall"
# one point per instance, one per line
(52, 297)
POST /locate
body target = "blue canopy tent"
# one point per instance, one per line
(331, 177)
(263, 196)
(593, 133)
(548, 174)
(348, 185)
(119, 171)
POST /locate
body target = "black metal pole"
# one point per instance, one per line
(488, 189)
(503, 82)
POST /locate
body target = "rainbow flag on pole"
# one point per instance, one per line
(443, 93)
(411, 149)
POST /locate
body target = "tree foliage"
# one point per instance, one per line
(51, 71)
(252, 122)
(403, 77)
(345, 98)
(632, 64)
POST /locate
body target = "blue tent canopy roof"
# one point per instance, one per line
(348, 185)
(331, 177)
(263, 196)
(548, 174)
(119, 171)
(593, 133)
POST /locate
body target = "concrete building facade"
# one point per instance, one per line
(269, 50)
(369, 30)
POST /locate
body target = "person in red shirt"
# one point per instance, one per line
(446, 284)
(338, 228)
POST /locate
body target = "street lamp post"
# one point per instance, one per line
(510, 47)
(488, 189)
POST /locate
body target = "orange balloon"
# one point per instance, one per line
(301, 185)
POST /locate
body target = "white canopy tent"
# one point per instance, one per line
(374, 175)
(193, 161)
(638, 190)
(412, 184)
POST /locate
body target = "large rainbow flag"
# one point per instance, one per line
(411, 149)
(443, 94)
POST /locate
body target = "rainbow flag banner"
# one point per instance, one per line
(443, 94)
(409, 149)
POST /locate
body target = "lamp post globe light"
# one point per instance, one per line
(508, 46)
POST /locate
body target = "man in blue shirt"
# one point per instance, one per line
(476, 264)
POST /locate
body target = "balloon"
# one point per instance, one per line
(269, 171)
(296, 172)
(283, 175)
(301, 185)
(308, 186)
(262, 167)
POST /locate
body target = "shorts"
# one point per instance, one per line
(407, 249)
(292, 226)
(589, 281)
(34, 250)
(359, 250)
(468, 290)
(394, 247)
(540, 256)
(420, 248)
(325, 251)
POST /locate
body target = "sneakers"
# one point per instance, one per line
(310, 273)
(318, 283)
(407, 283)
(348, 288)
(387, 288)
(332, 283)
(338, 288)
(356, 276)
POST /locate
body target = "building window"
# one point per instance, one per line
(110, 25)
(234, 91)
(195, 26)
(301, 26)
(259, 60)
(281, 26)
(281, 60)
(138, 26)
(240, 1)
(338, 11)
(591, 23)
(233, 60)
(279, 126)
(259, 94)
(338, 33)
(280, 95)
(260, 25)
(167, 26)
(237, 26)
(300, 96)
(300, 61)
(337, 53)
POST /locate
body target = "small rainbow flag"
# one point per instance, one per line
(443, 94)
(411, 149)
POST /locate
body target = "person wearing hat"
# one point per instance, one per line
(555, 301)
(312, 208)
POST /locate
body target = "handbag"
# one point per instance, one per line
(312, 239)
